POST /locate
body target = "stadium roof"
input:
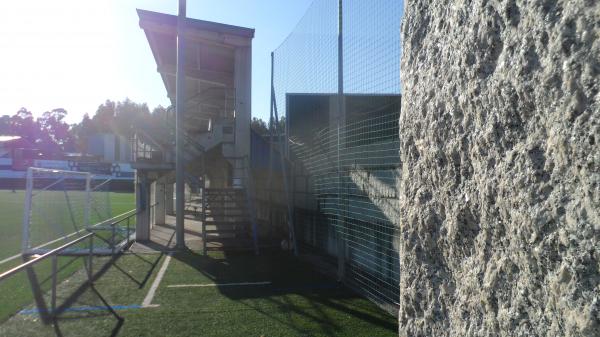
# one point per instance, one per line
(210, 58)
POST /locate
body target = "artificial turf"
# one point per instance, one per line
(298, 301)
(11, 216)
(15, 292)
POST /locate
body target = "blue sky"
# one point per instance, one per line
(75, 54)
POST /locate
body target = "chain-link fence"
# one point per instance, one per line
(337, 83)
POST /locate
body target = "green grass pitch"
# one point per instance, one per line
(298, 302)
(15, 291)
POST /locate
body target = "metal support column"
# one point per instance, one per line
(179, 127)
(283, 142)
(340, 112)
(271, 148)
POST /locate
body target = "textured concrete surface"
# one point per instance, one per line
(500, 188)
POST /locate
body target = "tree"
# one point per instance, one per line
(22, 124)
(280, 125)
(259, 126)
(81, 133)
(161, 112)
(54, 131)
(127, 115)
(105, 117)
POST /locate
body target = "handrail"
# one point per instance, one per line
(171, 128)
(46, 315)
(125, 215)
(44, 256)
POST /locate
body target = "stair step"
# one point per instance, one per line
(226, 223)
(227, 218)
(223, 208)
(227, 231)
(224, 196)
(220, 202)
(217, 212)
(229, 244)
(224, 190)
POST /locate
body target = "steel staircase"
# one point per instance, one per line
(227, 223)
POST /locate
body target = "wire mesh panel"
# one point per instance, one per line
(306, 62)
(339, 90)
(372, 46)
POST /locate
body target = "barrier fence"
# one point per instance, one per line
(336, 81)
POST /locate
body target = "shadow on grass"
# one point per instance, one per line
(109, 311)
(58, 315)
(141, 282)
(68, 312)
(291, 280)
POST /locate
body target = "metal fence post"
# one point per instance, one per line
(25, 244)
(179, 129)
(340, 112)
(90, 272)
(112, 240)
(127, 242)
(54, 281)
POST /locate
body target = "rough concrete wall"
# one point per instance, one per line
(500, 188)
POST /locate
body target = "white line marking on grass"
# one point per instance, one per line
(218, 284)
(10, 258)
(147, 303)
(42, 246)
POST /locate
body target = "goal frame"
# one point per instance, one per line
(29, 189)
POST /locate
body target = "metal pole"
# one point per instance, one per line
(127, 230)
(271, 148)
(88, 201)
(54, 281)
(25, 245)
(340, 112)
(290, 207)
(283, 141)
(113, 238)
(179, 129)
(90, 257)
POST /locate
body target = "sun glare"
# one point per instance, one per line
(57, 54)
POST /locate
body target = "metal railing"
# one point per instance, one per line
(45, 314)
(52, 253)
(143, 152)
(145, 148)
(112, 226)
